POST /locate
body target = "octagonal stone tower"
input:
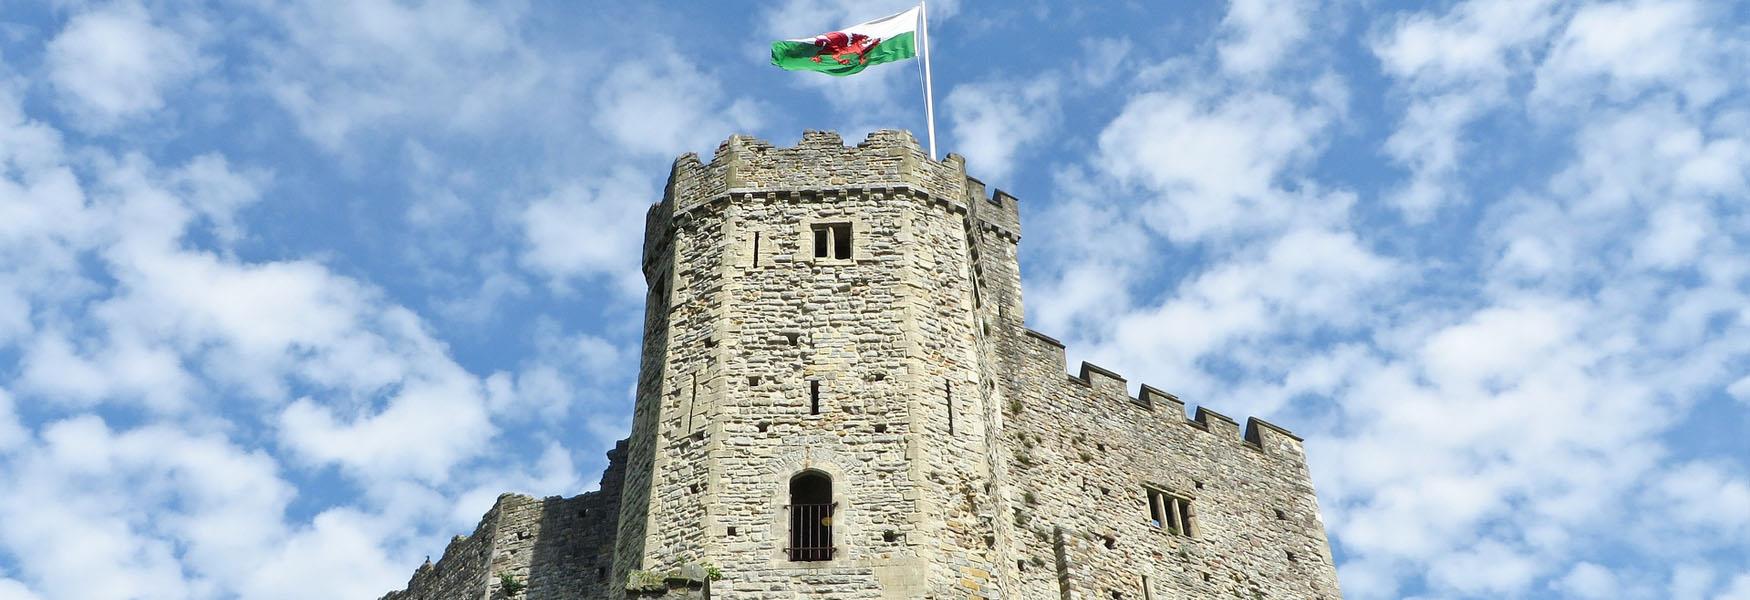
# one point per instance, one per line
(815, 312)
(838, 398)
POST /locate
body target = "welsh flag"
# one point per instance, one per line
(852, 49)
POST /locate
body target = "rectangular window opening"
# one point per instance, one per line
(1169, 511)
(1157, 508)
(814, 397)
(832, 240)
(1148, 591)
(756, 248)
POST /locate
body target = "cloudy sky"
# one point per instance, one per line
(290, 292)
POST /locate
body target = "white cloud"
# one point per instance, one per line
(1674, 236)
(1486, 570)
(74, 541)
(1589, 581)
(1261, 32)
(1454, 69)
(1214, 163)
(127, 366)
(12, 433)
(1740, 389)
(338, 556)
(654, 106)
(1304, 280)
(569, 371)
(1430, 141)
(11, 589)
(216, 191)
(993, 121)
(174, 328)
(1631, 45)
(1691, 582)
(432, 424)
(1497, 344)
(1706, 498)
(1739, 589)
(351, 66)
(591, 229)
(1476, 40)
(1641, 156)
(115, 63)
(1455, 454)
(156, 512)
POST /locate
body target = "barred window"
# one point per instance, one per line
(811, 514)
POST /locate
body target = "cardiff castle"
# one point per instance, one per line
(839, 399)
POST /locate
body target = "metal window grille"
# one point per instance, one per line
(811, 532)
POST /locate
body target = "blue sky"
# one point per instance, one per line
(290, 292)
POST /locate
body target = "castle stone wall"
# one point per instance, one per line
(1083, 456)
(966, 461)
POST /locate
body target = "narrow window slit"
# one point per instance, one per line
(814, 397)
(948, 396)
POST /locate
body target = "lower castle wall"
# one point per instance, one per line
(557, 548)
(460, 573)
(1082, 456)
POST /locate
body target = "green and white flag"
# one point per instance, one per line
(852, 49)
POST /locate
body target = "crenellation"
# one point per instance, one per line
(1103, 381)
(853, 315)
(1216, 423)
(1151, 397)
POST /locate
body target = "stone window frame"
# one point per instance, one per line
(755, 246)
(809, 553)
(1172, 512)
(860, 236)
(843, 530)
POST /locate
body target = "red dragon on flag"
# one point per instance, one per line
(839, 44)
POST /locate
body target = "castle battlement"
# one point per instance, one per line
(838, 397)
(1108, 390)
(821, 163)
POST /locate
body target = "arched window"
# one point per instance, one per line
(811, 511)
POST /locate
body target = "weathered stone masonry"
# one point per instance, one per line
(964, 461)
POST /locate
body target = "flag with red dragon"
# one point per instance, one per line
(852, 49)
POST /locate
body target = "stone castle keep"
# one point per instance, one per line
(839, 399)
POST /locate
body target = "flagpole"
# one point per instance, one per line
(929, 94)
